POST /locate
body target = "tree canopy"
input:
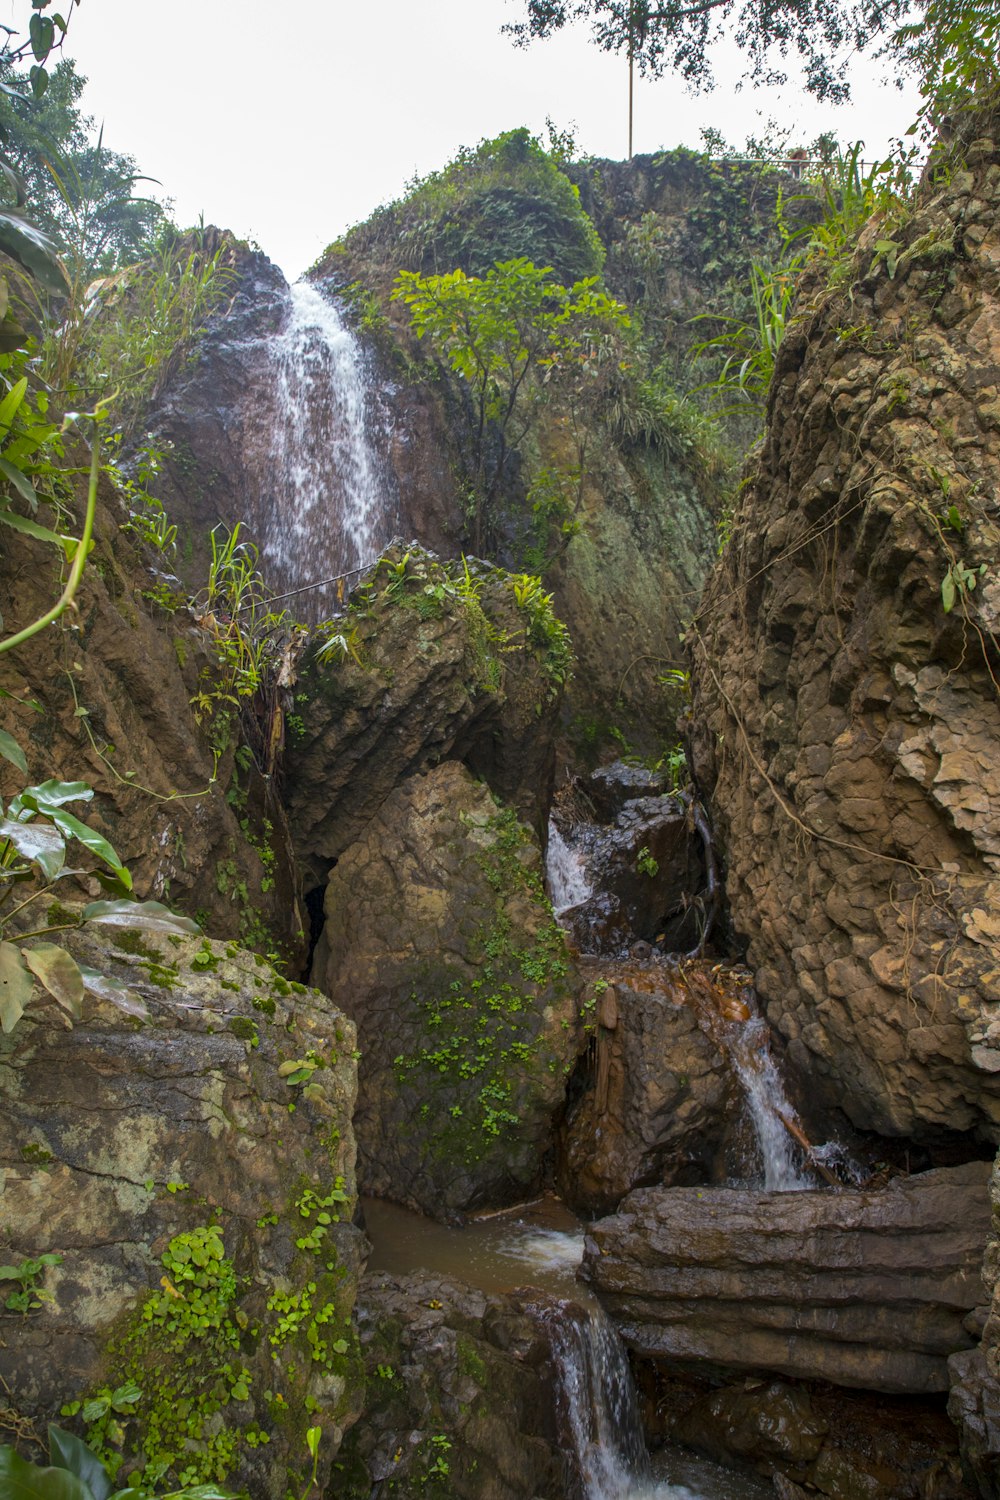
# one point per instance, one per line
(824, 35)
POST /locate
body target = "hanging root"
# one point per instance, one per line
(710, 901)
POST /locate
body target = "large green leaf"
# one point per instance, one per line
(40, 533)
(54, 794)
(26, 243)
(11, 750)
(59, 973)
(106, 988)
(16, 987)
(37, 842)
(95, 842)
(19, 479)
(20, 1480)
(11, 403)
(68, 1452)
(152, 915)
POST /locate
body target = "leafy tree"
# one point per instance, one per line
(932, 37)
(511, 336)
(80, 193)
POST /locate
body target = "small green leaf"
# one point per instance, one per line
(948, 592)
(40, 533)
(313, 1435)
(10, 404)
(151, 915)
(59, 973)
(11, 750)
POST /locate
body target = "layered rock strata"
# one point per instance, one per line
(864, 1289)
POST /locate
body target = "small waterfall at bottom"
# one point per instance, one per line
(597, 1409)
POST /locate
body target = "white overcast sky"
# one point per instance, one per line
(288, 123)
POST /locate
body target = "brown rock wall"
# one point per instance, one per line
(847, 728)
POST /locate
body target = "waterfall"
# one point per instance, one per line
(596, 1400)
(325, 497)
(565, 871)
(768, 1104)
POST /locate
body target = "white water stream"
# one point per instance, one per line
(326, 500)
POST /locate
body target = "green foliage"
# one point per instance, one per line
(35, 828)
(513, 336)
(76, 1473)
(487, 1026)
(751, 348)
(663, 35)
(28, 1273)
(121, 336)
(505, 199)
(646, 864)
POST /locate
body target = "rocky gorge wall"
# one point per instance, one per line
(844, 724)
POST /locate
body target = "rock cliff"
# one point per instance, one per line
(845, 719)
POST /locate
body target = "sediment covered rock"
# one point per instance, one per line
(440, 943)
(864, 1289)
(845, 717)
(195, 1194)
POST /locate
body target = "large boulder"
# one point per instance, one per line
(655, 1098)
(864, 1289)
(440, 943)
(431, 660)
(192, 1195)
(845, 715)
(459, 1399)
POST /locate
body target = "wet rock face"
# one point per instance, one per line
(426, 672)
(864, 1289)
(974, 1400)
(639, 857)
(202, 1228)
(441, 945)
(846, 726)
(656, 1100)
(766, 1425)
(459, 1398)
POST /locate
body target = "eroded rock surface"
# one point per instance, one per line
(199, 1205)
(864, 1289)
(441, 945)
(433, 665)
(459, 1398)
(846, 726)
(656, 1098)
(974, 1400)
(114, 681)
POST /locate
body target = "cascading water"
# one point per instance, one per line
(325, 498)
(565, 872)
(749, 1052)
(597, 1402)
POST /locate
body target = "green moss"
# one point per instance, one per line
(129, 941)
(245, 1029)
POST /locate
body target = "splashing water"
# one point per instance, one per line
(566, 872)
(326, 496)
(769, 1107)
